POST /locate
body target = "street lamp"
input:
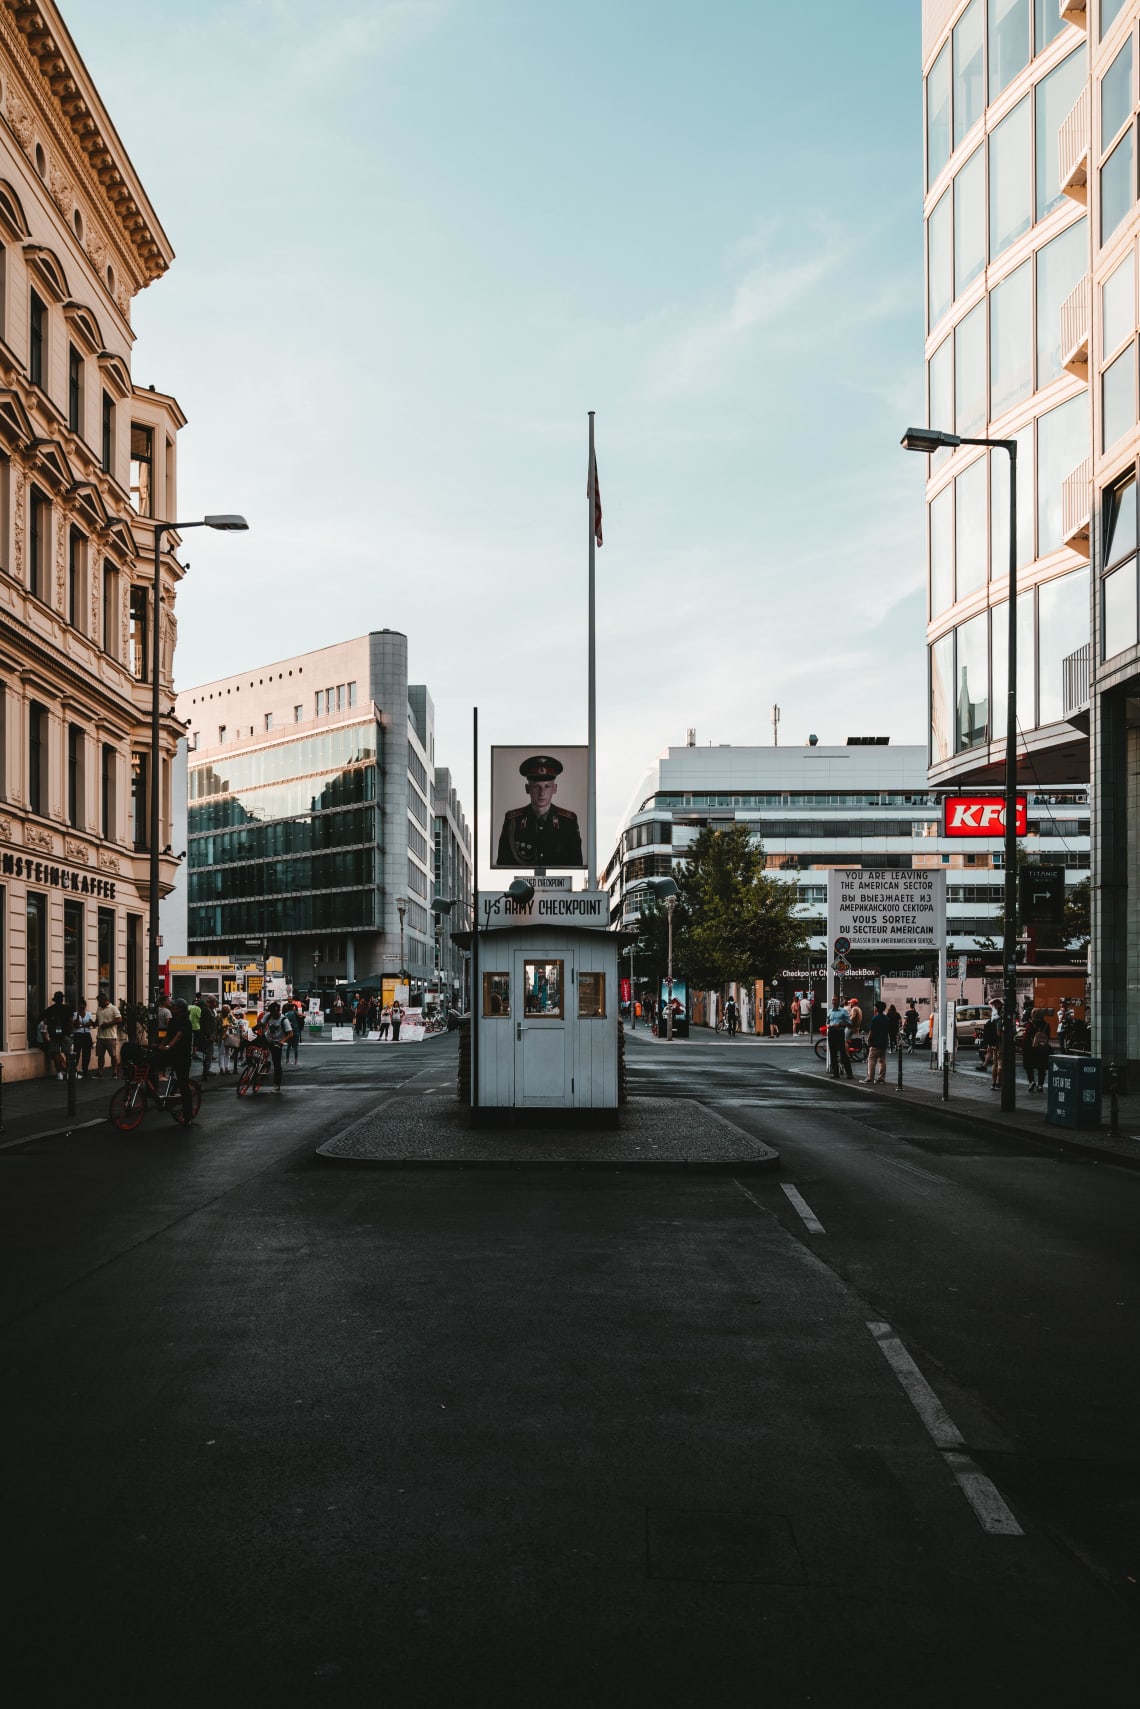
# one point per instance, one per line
(441, 907)
(225, 525)
(632, 998)
(665, 890)
(401, 909)
(928, 440)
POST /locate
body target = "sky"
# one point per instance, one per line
(418, 240)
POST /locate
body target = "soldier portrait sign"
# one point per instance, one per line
(538, 806)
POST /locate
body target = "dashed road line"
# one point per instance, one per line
(800, 1205)
(990, 1510)
(910, 1168)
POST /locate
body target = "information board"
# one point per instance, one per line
(880, 908)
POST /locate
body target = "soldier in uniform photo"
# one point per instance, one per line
(540, 834)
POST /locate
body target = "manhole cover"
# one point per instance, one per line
(739, 1547)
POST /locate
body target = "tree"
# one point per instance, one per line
(733, 921)
(1078, 914)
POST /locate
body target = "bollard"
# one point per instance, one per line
(899, 1054)
(72, 1064)
(1113, 1104)
(945, 1076)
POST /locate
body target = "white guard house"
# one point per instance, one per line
(546, 1011)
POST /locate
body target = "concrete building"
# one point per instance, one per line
(87, 459)
(310, 813)
(1032, 223)
(452, 879)
(814, 807)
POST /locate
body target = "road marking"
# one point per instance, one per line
(800, 1204)
(911, 1168)
(990, 1510)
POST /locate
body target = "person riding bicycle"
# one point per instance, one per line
(178, 1048)
(271, 1031)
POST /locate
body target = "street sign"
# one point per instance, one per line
(840, 966)
(1042, 895)
(980, 816)
(878, 908)
(842, 945)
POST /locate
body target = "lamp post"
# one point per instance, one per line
(632, 997)
(441, 907)
(401, 909)
(225, 525)
(665, 889)
(929, 440)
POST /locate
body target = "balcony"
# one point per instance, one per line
(1076, 672)
(1075, 330)
(1073, 150)
(1076, 509)
(1075, 12)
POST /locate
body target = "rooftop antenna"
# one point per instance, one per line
(775, 726)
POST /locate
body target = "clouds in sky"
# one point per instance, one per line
(416, 242)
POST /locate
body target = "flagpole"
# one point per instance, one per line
(591, 691)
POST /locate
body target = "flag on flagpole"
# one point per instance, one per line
(592, 487)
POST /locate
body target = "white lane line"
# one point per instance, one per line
(990, 1510)
(801, 1206)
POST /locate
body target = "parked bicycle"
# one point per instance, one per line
(856, 1048)
(144, 1084)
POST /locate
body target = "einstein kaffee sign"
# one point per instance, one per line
(869, 910)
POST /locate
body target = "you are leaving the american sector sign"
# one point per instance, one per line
(885, 909)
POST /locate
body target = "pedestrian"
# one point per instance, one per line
(856, 1014)
(910, 1021)
(82, 1028)
(207, 1031)
(838, 1057)
(397, 1017)
(1042, 1046)
(730, 1016)
(271, 1031)
(991, 1047)
(385, 1026)
(179, 1049)
(227, 1034)
(1027, 1052)
(894, 1022)
(772, 1010)
(293, 1034)
(108, 1018)
(796, 1013)
(194, 1011)
(878, 1044)
(54, 1033)
(338, 1010)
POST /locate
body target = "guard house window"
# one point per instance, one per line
(542, 989)
(592, 996)
(37, 756)
(39, 544)
(497, 996)
(37, 339)
(142, 468)
(110, 610)
(77, 580)
(108, 433)
(138, 799)
(75, 778)
(107, 775)
(140, 607)
(74, 389)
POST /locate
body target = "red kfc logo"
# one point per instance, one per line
(981, 816)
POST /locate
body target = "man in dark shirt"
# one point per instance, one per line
(178, 1051)
(57, 1034)
(878, 1044)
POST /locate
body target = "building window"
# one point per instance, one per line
(938, 115)
(269, 721)
(108, 772)
(298, 714)
(970, 531)
(1117, 191)
(139, 766)
(142, 468)
(110, 610)
(5, 496)
(37, 973)
(73, 950)
(3, 742)
(942, 551)
(37, 757)
(340, 698)
(352, 694)
(969, 87)
(37, 339)
(39, 544)
(140, 652)
(1062, 627)
(1119, 615)
(1011, 340)
(1060, 265)
(1118, 397)
(221, 734)
(77, 580)
(1062, 443)
(74, 389)
(1011, 178)
(1009, 42)
(108, 434)
(970, 221)
(75, 776)
(940, 259)
(106, 950)
(970, 372)
(942, 699)
(972, 703)
(1109, 12)
(319, 702)
(134, 957)
(1047, 24)
(1055, 98)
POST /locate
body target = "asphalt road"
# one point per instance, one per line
(277, 1432)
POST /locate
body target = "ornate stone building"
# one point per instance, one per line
(86, 460)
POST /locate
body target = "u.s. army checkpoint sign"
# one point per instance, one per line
(882, 908)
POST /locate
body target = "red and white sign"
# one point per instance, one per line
(980, 816)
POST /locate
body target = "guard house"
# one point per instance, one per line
(546, 1011)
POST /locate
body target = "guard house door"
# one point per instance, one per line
(542, 1037)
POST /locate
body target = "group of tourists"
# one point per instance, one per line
(368, 1013)
(65, 1028)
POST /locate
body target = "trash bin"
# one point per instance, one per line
(1074, 1092)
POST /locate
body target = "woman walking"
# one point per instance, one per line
(1042, 1046)
(894, 1022)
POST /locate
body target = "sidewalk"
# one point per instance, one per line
(36, 1109)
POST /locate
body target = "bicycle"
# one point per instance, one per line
(856, 1048)
(129, 1102)
(258, 1062)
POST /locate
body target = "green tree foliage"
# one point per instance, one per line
(732, 919)
(1078, 914)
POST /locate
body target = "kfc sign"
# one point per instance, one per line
(980, 816)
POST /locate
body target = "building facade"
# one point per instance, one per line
(86, 459)
(310, 814)
(452, 880)
(815, 807)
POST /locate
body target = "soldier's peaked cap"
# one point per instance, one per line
(540, 768)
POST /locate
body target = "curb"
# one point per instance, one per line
(611, 1166)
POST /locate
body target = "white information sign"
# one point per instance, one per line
(879, 908)
(546, 908)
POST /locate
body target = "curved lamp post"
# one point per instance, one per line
(224, 525)
(401, 909)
